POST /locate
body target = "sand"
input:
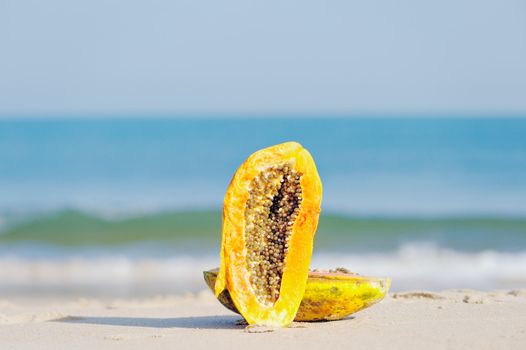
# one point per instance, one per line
(461, 319)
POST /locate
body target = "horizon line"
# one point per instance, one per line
(258, 116)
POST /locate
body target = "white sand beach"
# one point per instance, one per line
(461, 319)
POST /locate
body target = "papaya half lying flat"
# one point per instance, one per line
(270, 215)
(328, 295)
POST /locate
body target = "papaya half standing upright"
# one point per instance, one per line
(270, 216)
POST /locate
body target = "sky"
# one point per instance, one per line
(103, 57)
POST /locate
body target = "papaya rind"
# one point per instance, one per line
(328, 296)
(233, 273)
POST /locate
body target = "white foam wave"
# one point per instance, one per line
(412, 266)
(104, 275)
(428, 266)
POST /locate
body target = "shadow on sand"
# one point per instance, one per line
(202, 322)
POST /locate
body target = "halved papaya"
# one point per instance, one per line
(270, 215)
(328, 295)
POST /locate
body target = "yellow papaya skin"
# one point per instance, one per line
(234, 275)
(328, 295)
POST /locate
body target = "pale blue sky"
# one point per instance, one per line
(283, 57)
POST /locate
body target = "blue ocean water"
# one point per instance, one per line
(113, 205)
(369, 166)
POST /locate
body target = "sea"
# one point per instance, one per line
(122, 206)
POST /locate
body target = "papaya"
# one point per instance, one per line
(328, 295)
(270, 215)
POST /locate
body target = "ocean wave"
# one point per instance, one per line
(425, 265)
(416, 265)
(71, 228)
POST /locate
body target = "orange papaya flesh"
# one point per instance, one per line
(328, 295)
(270, 215)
